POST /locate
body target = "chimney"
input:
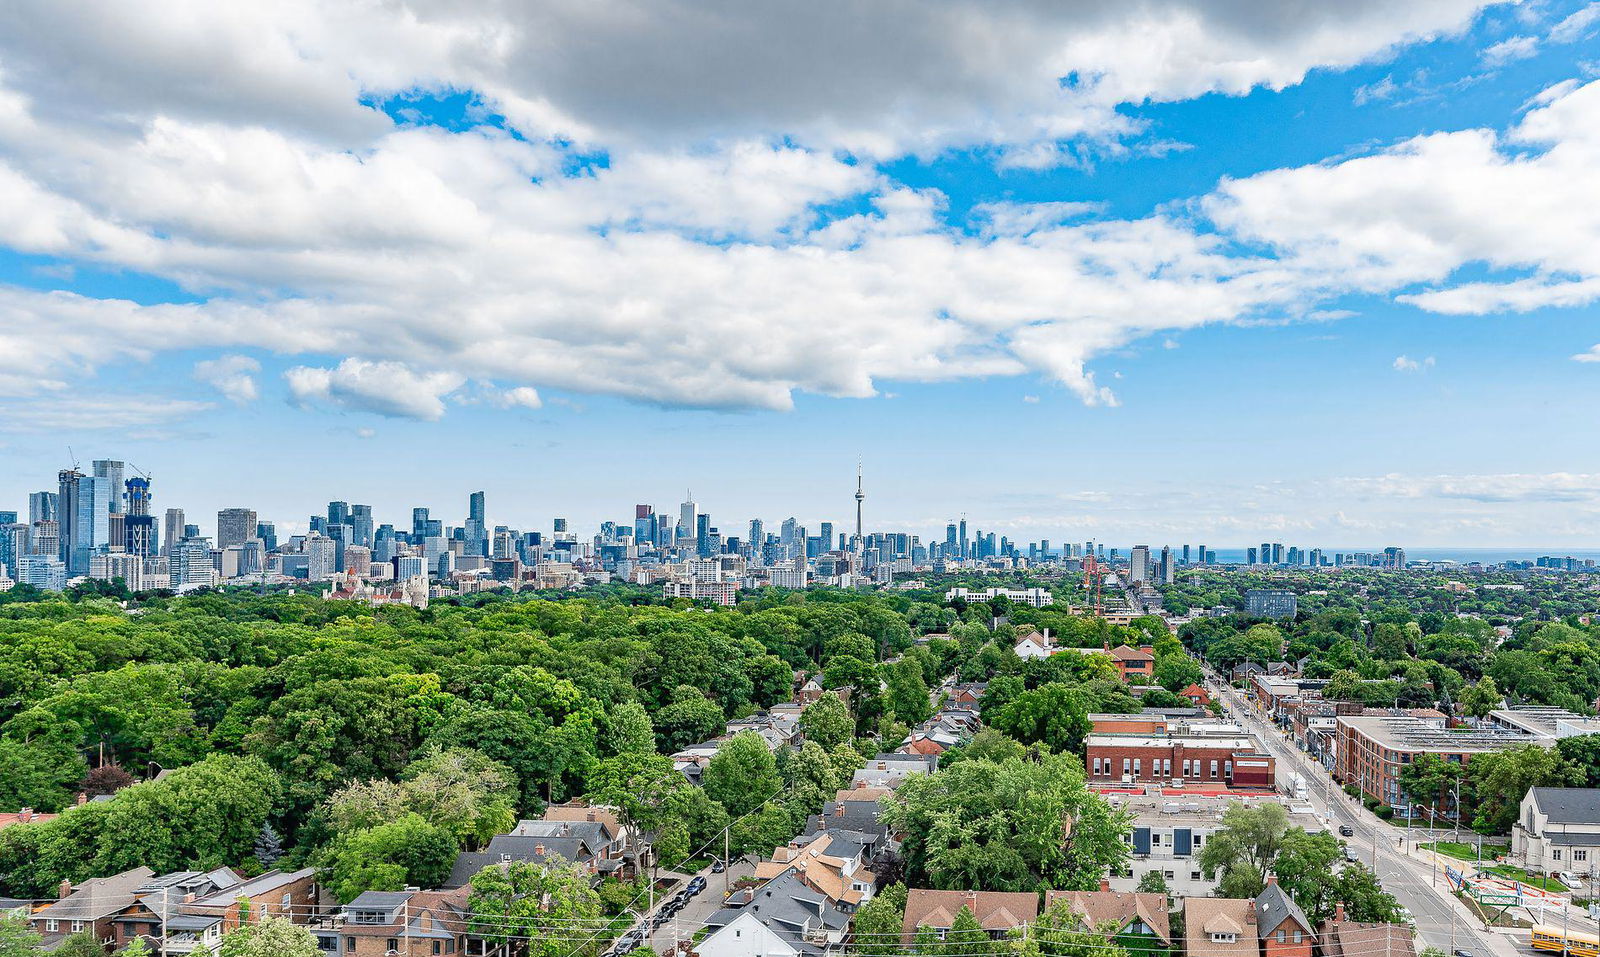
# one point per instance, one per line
(538, 849)
(1272, 880)
(1338, 913)
(82, 799)
(65, 890)
(970, 898)
(591, 817)
(1105, 884)
(838, 810)
(189, 898)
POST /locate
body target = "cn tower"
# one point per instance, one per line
(860, 497)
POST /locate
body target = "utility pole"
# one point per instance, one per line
(727, 861)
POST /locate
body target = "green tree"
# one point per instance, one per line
(549, 906)
(1054, 715)
(981, 823)
(629, 731)
(878, 923)
(17, 938)
(827, 722)
(1500, 779)
(270, 937)
(907, 694)
(1152, 883)
(1178, 671)
(1428, 780)
(1303, 863)
(405, 852)
(82, 944)
(1481, 698)
(1582, 753)
(688, 719)
(742, 774)
(1363, 897)
(1244, 847)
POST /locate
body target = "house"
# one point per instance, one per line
(1220, 927)
(1031, 645)
(1338, 937)
(832, 862)
(1134, 664)
(969, 694)
(888, 770)
(1142, 915)
(1200, 696)
(156, 912)
(854, 810)
(1558, 829)
(505, 849)
(25, 816)
(89, 906)
(998, 912)
(783, 918)
(15, 907)
(1281, 925)
(379, 923)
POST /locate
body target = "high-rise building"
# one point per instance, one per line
(139, 526)
(235, 526)
(419, 525)
(686, 517)
(189, 563)
(702, 535)
(321, 558)
(91, 522)
(1165, 571)
(45, 572)
(42, 507)
(962, 544)
(110, 470)
(338, 513)
(268, 533)
(172, 527)
(70, 483)
(8, 543)
(825, 535)
(361, 526)
(44, 538)
(1139, 564)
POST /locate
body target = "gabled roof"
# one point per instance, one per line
(1205, 916)
(1569, 805)
(1347, 938)
(995, 910)
(789, 909)
(1103, 906)
(1127, 653)
(1274, 906)
(99, 897)
(508, 848)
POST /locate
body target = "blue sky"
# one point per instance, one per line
(1319, 279)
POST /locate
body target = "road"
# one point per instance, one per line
(1442, 921)
(700, 907)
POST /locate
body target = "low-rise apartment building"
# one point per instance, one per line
(1169, 833)
(1226, 760)
(1373, 749)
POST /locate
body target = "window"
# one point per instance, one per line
(77, 925)
(1224, 938)
(51, 926)
(1580, 856)
(1096, 765)
(1213, 769)
(1138, 770)
(392, 944)
(438, 948)
(1282, 936)
(1556, 854)
(1297, 936)
(1126, 762)
(1194, 875)
(349, 945)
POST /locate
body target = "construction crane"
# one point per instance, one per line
(1091, 579)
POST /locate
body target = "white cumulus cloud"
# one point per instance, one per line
(384, 388)
(232, 375)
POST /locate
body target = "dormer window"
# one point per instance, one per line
(1224, 938)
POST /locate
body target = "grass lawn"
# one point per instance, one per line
(1461, 852)
(1518, 874)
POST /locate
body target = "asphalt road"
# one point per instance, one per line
(1442, 921)
(701, 906)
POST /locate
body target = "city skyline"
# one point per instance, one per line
(1320, 274)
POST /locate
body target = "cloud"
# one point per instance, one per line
(1502, 487)
(1377, 92)
(1510, 51)
(230, 375)
(383, 388)
(1577, 26)
(523, 397)
(1031, 399)
(1408, 364)
(613, 72)
(72, 412)
(721, 253)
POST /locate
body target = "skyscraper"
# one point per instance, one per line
(361, 525)
(139, 526)
(70, 482)
(962, 544)
(235, 526)
(42, 507)
(110, 470)
(91, 522)
(268, 533)
(1139, 564)
(686, 516)
(702, 535)
(8, 543)
(172, 527)
(477, 531)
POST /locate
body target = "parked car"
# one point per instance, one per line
(717, 867)
(696, 885)
(1461, 953)
(1352, 855)
(1571, 881)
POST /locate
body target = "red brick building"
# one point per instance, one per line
(1228, 760)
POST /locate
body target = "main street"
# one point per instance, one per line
(1443, 921)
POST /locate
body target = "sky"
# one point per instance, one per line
(1165, 271)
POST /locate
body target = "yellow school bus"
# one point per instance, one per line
(1556, 940)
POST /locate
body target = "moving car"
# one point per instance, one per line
(1346, 830)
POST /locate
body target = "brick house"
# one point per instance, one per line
(419, 923)
(1134, 665)
(1139, 915)
(1281, 924)
(1338, 937)
(91, 905)
(1200, 696)
(998, 912)
(1220, 927)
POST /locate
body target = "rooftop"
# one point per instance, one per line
(1406, 733)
